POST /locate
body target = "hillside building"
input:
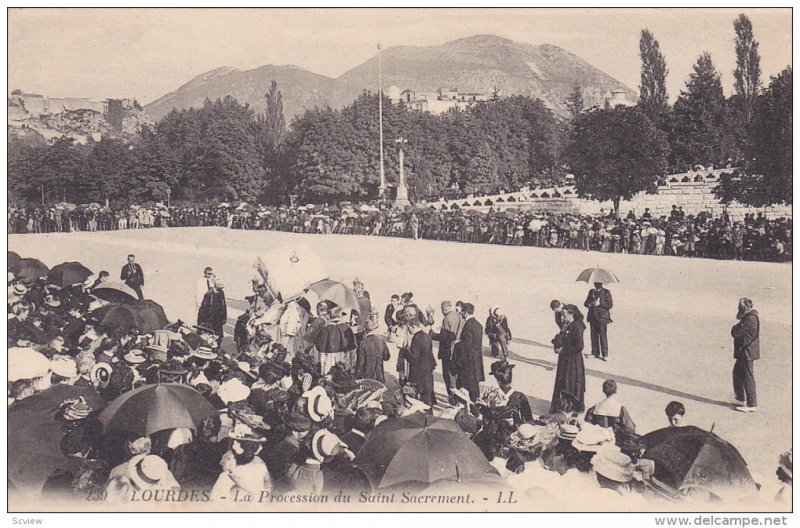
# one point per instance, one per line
(439, 102)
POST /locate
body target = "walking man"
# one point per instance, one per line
(451, 327)
(745, 350)
(599, 303)
(133, 276)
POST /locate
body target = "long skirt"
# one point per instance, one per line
(571, 378)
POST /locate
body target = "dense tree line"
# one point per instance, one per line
(225, 151)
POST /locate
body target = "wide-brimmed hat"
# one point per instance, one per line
(570, 397)
(500, 366)
(324, 444)
(64, 366)
(204, 328)
(246, 367)
(147, 471)
(319, 404)
(592, 438)
(76, 409)
(233, 390)
(101, 374)
(19, 289)
(613, 465)
(244, 433)
(341, 380)
(204, 352)
(52, 301)
(297, 420)
(462, 394)
(135, 357)
(173, 368)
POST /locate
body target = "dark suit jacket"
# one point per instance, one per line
(132, 277)
(602, 313)
(745, 337)
(470, 362)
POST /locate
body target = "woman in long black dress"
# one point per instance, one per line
(570, 374)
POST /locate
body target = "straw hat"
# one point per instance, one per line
(204, 352)
(233, 390)
(325, 444)
(101, 374)
(613, 465)
(147, 471)
(592, 438)
(64, 366)
(135, 357)
(244, 433)
(319, 404)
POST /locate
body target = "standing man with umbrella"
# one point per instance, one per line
(599, 303)
(133, 276)
(745, 350)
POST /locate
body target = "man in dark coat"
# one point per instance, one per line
(468, 358)
(133, 276)
(371, 353)
(599, 303)
(745, 350)
(451, 325)
(421, 363)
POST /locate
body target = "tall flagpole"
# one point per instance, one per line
(382, 188)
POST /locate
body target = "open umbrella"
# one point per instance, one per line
(35, 434)
(592, 275)
(418, 449)
(13, 260)
(30, 269)
(689, 457)
(336, 292)
(154, 408)
(26, 363)
(152, 314)
(119, 316)
(68, 273)
(114, 292)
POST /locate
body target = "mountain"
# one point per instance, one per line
(482, 63)
(300, 88)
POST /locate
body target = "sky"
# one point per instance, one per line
(146, 53)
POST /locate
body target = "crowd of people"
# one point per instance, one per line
(292, 405)
(753, 238)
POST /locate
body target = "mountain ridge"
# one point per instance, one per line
(478, 63)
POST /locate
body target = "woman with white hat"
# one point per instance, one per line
(244, 474)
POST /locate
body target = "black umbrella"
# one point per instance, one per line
(152, 314)
(35, 434)
(689, 457)
(120, 317)
(154, 408)
(30, 269)
(114, 292)
(419, 450)
(68, 273)
(13, 260)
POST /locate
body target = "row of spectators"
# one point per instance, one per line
(678, 234)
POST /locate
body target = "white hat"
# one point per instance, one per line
(324, 444)
(64, 366)
(101, 374)
(319, 404)
(233, 390)
(147, 471)
(613, 465)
